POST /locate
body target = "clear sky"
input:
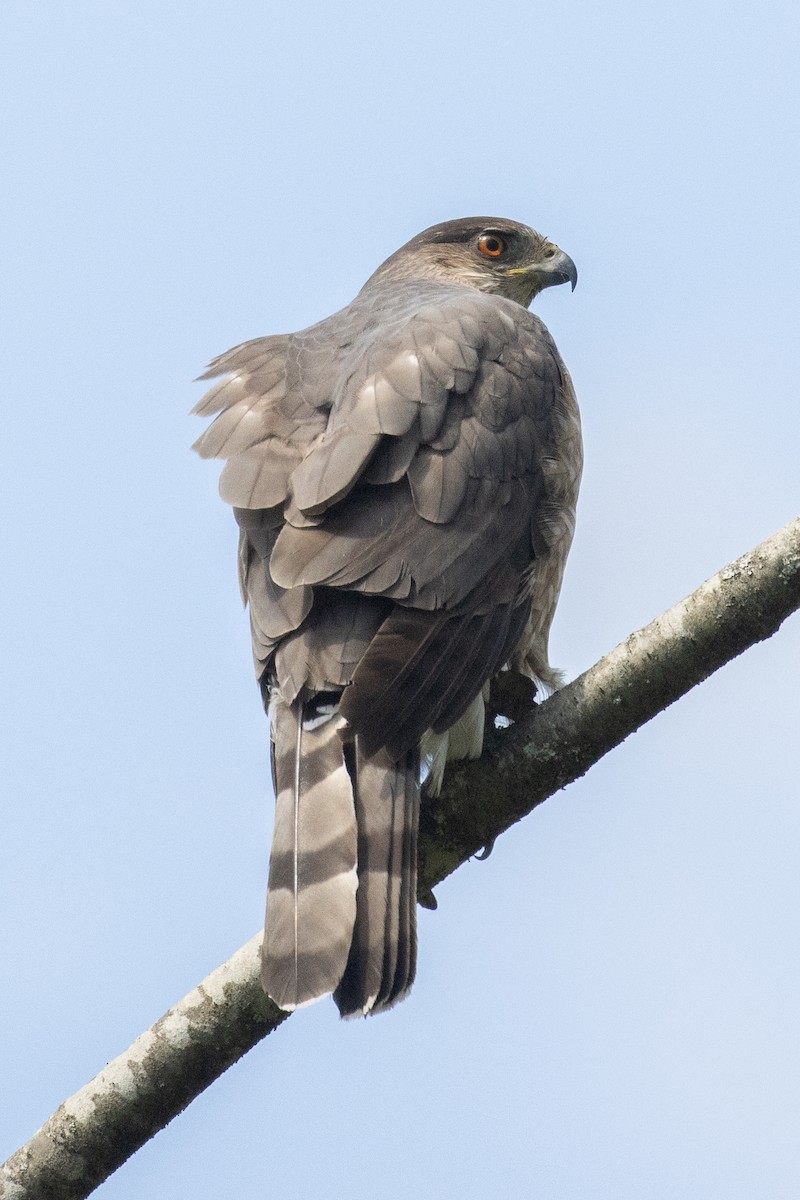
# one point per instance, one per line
(609, 1007)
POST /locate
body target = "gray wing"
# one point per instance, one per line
(389, 473)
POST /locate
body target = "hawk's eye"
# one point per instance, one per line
(491, 244)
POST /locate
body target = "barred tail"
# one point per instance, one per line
(311, 902)
(382, 960)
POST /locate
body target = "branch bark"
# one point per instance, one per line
(545, 748)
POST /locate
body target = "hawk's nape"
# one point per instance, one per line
(404, 475)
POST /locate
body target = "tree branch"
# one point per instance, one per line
(546, 748)
(556, 742)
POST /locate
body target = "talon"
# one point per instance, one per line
(486, 851)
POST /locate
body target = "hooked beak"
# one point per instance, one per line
(556, 267)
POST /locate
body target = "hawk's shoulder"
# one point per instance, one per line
(432, 383)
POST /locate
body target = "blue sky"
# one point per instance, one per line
(608, 1007)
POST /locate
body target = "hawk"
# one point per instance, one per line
(404, 475)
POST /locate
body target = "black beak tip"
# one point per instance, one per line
(563, 270)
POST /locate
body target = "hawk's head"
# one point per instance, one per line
(488, 253)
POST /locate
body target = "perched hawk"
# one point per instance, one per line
(404, 475)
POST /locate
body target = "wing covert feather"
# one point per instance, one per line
(400, 448)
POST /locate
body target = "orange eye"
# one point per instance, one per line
(491, 245)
